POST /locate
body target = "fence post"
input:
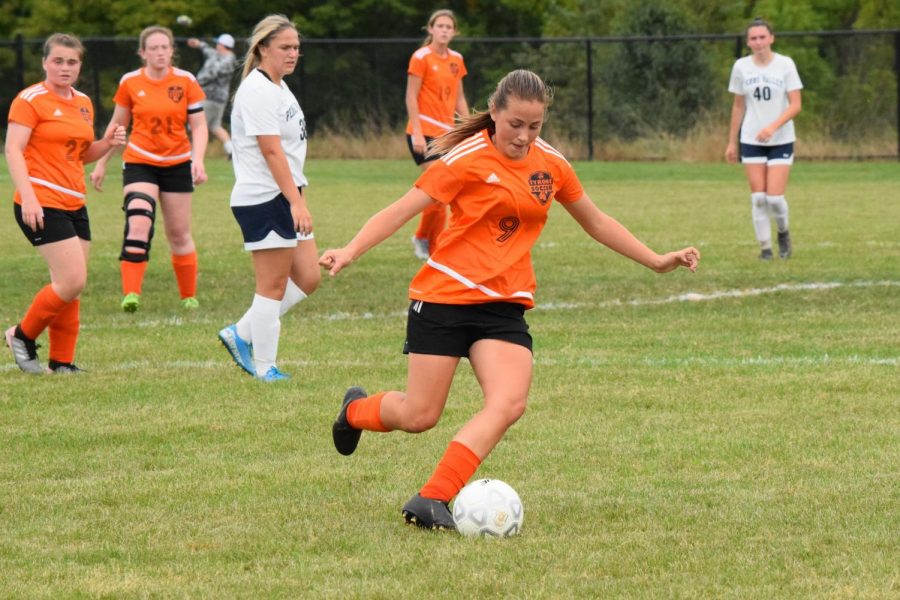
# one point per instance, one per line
(738, 47)
(20, 62)
(590, 101)
(897, 77)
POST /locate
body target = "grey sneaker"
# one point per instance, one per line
(766, 254)
(428, 513)
(24, 351)
(345, 436)
(785, 249)
(420, 248)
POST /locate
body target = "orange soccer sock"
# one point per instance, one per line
(432, 223)
(64, 332)
(43, 310)
(365, 413)
(185, 266)
(132, 276)
(456, 467)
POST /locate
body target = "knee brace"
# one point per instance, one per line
(127, 242)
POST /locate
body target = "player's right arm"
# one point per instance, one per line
(17, 137)
(413, 87)
(121, 118)
(381, 226)
(738, 108)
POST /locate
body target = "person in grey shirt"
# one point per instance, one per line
(215, 78)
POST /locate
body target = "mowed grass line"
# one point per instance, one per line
(743, 446)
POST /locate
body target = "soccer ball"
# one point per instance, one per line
(488, 507)
(184, 20)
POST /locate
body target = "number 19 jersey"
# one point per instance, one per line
(765, 91)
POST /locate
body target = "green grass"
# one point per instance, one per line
(742, 445)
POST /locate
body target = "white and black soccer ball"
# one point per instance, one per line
(184, 20)
(488, 507)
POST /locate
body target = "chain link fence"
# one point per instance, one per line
(627, 97)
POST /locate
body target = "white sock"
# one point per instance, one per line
(265, 327)
(244, 330)
(229, 147)
(292, 295)
(761, 223)
(779, 207)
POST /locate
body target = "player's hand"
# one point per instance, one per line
(418, 143)
(193, 42)
(686, 257)
(302, 219)
(335, 260)
(731, 153)
(198, 173)
(97, 176)
(32, 214)
(117, 136)
(765, 134)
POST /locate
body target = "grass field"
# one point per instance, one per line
(733, 433)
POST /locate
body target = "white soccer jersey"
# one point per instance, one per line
(263, 108)
(765, 91)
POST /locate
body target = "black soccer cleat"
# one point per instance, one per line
(346, 437)
(428, 513)
(64, 368)
(765, 254)
(785, 248)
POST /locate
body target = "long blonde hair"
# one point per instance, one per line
(262, 34)
(444, 12)
(521, 84)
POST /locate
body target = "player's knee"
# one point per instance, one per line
(140, 215)
(418, 423)
(309, 281)
(509, 410)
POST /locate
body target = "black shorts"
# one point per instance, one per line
(451, 329)
(176, 178)
(782, 154)
(420, 158)
(59, 225)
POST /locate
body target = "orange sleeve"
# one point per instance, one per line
(195, 93)
(122, 97)
(570, 188)
(440, 182)
(416, 67)
(23, 113)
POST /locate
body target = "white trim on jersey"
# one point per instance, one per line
(543, 145)
(30, 93)
(53, 186)
(467, 146)
(434, 121)
(140, 150)
(472, 285)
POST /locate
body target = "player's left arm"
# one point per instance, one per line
(199, 140)
(462, 107)
(793, 109)
(616, 236)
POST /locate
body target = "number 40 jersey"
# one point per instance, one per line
(765, 91)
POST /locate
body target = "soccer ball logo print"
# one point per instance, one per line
(488, 508)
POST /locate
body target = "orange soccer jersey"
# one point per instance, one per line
(440, 88)
(62, 130)
(159, 110)
(498, 208)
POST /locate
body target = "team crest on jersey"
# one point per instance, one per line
(541, 184)
(454, 68)
(86, 115)
(176, 93)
